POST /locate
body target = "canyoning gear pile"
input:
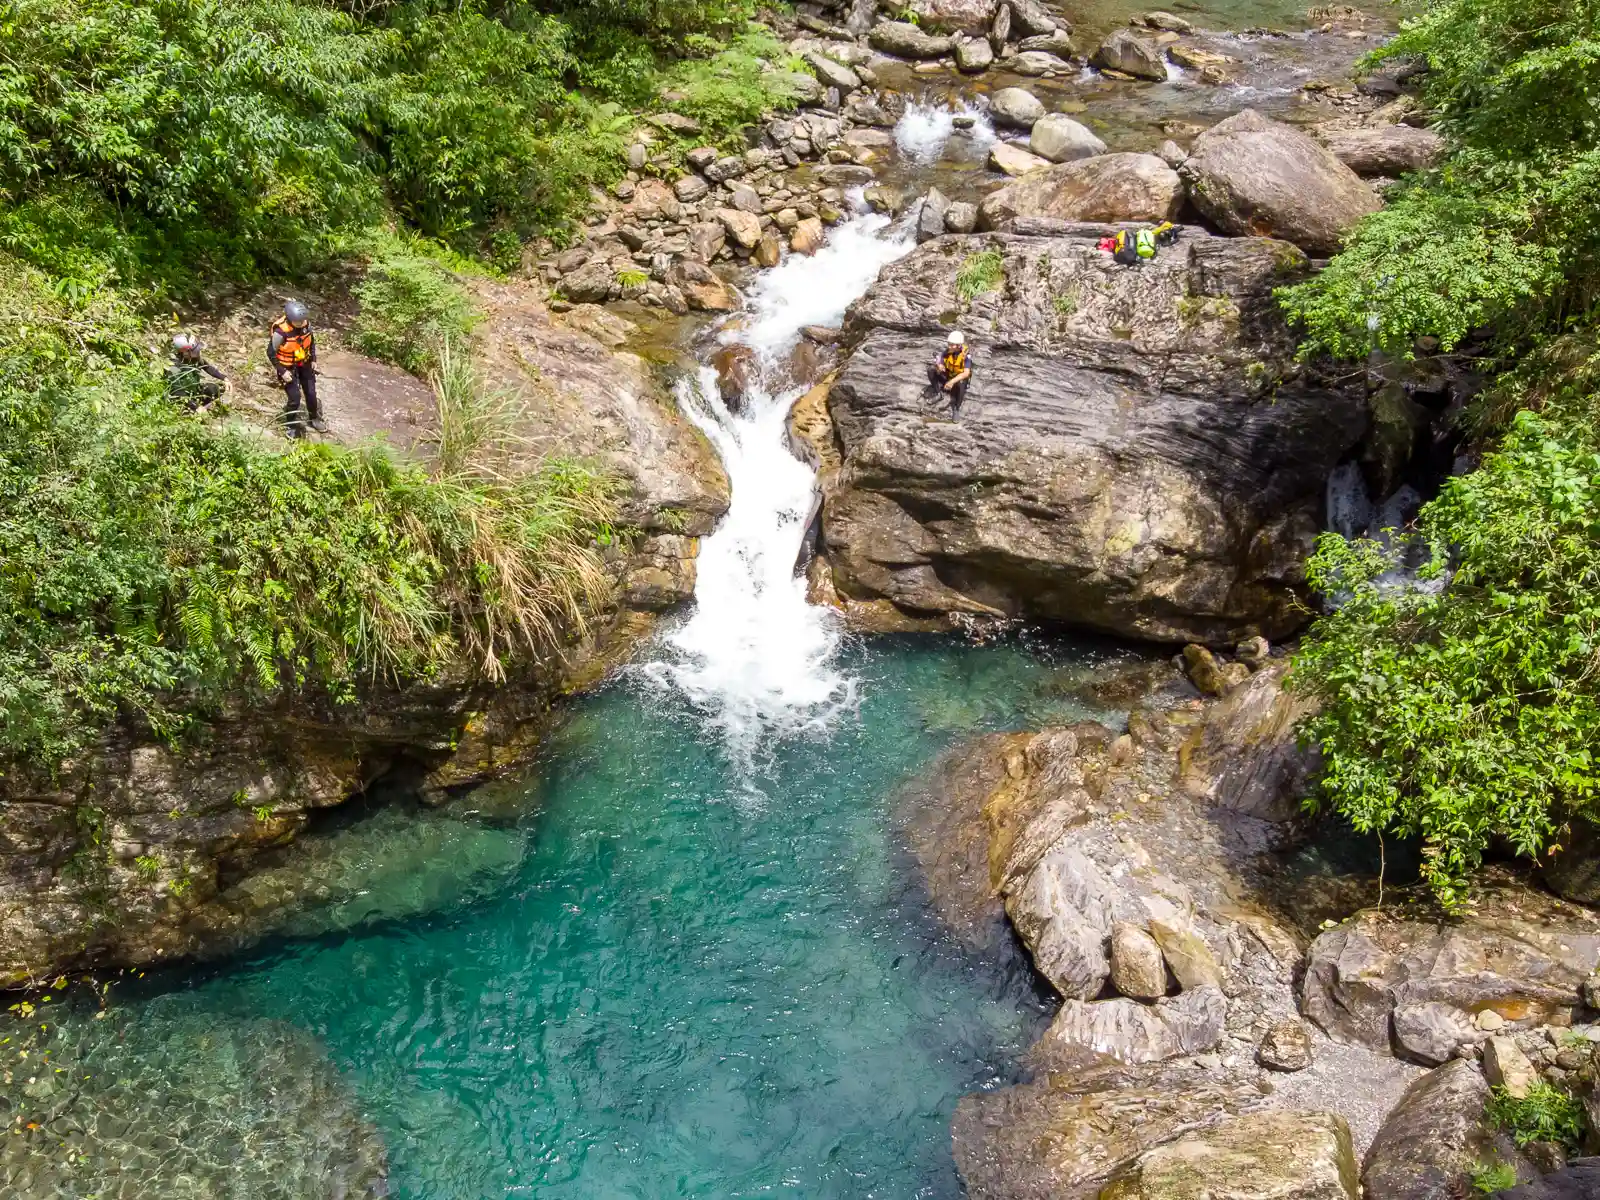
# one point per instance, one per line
(1132, 248)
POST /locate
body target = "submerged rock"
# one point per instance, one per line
(1123, 461)
(1249, 175)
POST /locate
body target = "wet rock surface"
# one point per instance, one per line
(1259, 1156)
(1116, 465)
(1102, 187)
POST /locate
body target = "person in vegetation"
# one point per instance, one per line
(292, 353)
(191, 380)
(952, 371)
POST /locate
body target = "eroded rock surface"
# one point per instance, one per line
(1100, 187)
(1136, 454)
(1521, 953)
(1259, 1156)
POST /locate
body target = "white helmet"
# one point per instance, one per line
(957, 339)
(185, 343)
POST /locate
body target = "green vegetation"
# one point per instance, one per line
(153, 564)
(979, 273)
(1546, 1114)
(411, 307)
(1470, 715)
(1489, 1178)
(155, 153)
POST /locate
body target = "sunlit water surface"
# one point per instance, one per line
(679, 991)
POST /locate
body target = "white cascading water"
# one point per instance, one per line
(753, 656)
(924, 130)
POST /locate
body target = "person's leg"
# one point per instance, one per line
(958, 394)
(293, 421)
(308, 384)
(935, 375)
(210, 391)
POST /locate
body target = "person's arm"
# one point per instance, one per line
(311, 355)
(274, 343)
(212, 371)
(964, 374)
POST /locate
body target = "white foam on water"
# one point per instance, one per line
(753, 657)
(923, 130)
(1175, 73)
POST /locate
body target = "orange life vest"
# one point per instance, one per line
(296, 345)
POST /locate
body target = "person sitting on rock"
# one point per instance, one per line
(191, 380)
(952, 371)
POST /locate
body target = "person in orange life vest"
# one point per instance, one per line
(292, 354)
(952, 371)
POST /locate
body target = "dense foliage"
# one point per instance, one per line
(1467, 713)
(152, 152)
(153, 565)
(183, 138)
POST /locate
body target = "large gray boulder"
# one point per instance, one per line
(1015, 108)
(904, 40)
(1036, 63)
(1435, 1137)
(1384, 152)
(1522, 953)
(1029, 18)
(1250, 175)
(1137, 454)
(974, 56)
(1106, 187)
(965, 16)
(1131, 54)
(1059, 138)
(833, 73)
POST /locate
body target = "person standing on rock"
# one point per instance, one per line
(292, 354)
(952, 371)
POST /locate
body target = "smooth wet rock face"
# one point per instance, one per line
(1047, 1141)
(969, 16)
(1271, 781)
(1521, 953)
(1131, 54)
(833, 73)
(1137, 968)
(1386, 152)
(1114, 466)
(1106, 187)
(1131, 1032)
(1260, 1156)
(1577, 1181)
(1015, 108)
(1249, 175)
(1434, 1138)
(1059, 138)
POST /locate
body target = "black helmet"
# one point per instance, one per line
(295, 312)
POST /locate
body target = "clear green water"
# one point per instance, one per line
(683, 988)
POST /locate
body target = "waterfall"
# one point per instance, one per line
(753, 657)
